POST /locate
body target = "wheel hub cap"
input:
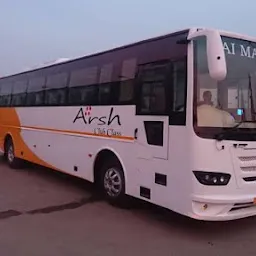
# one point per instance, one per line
(10, 154)
(112, 182)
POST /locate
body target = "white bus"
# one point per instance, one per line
(169, 120)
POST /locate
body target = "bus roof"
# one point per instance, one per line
(65, 61)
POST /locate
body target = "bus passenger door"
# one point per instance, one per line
(151, 136)
(152, 105)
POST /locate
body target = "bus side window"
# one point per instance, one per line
(35, 91)
(83, 87)
(105, 95)
(5, 94)
(126, 91)
(127, 83)
(106, 87)
(56, 88)
(179, 93)
(179, 86)
(152, 86)
(19, 93)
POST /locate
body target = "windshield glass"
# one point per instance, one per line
(222, 105)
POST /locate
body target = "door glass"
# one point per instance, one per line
(152, 96)
(154, 132)
(152, 99)
(178, 93)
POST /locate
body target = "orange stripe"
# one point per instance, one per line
(72, 132)
(11, 125)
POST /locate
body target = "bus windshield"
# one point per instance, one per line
(222, 105)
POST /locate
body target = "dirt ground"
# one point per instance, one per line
(46, 213)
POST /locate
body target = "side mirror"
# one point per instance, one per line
(215, 52)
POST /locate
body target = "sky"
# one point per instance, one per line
(36, 32)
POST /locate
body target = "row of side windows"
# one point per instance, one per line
(105, 94)
(88, 86)
(160, 88)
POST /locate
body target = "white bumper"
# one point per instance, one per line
(222, 209)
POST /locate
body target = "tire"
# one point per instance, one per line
(12, 161)
(112, 183)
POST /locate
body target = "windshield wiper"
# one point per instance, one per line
(222, 135)
(242, 122)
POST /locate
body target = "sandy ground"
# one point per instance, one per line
(46, 213)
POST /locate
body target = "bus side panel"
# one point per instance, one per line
(69, 143)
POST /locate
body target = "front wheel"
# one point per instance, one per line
(113, 182)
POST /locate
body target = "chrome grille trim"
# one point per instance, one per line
(247, 163)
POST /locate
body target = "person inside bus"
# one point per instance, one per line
(210, 116)
(207, 99)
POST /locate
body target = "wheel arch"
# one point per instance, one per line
(101, 156)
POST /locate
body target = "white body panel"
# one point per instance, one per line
(185, 152)
(54, 140)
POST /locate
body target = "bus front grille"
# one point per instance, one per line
(248, 163)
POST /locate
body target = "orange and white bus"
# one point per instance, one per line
(169, 120)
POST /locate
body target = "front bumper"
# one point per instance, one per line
(223, 208)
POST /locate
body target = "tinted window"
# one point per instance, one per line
(85, 95)
(105, 95)
(179, 86)
(85, 76)
(126, 89)
(106, 72)
(179, 93)
(83, 89)
(35, 91)
(19, 93)
(154, 132)
(5, 94)
(152, 97)
(56, 89)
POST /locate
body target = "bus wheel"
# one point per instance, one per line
(113, 182)
(12, 161)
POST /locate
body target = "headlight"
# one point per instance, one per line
(212, 178)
